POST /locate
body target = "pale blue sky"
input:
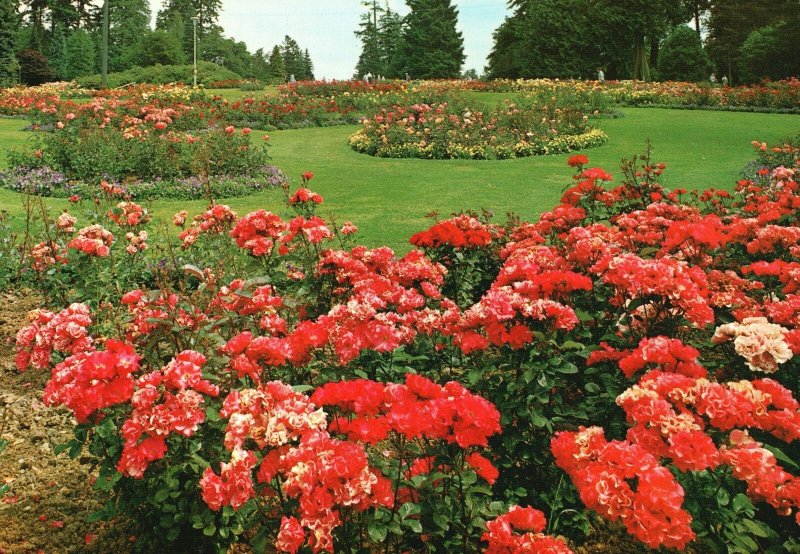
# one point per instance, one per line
(326, 28)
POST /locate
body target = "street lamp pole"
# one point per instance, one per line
(194, 42)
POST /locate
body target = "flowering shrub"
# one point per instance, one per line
(633, 352)
(441, 131)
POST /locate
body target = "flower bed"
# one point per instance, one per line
(264, 378)
(442, 131)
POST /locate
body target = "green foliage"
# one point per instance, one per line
(731, 22)
(207, 72)
(277, 69)
(34, 67)
(129, 22)
(682, 58)
(80, 55)
(432, 47)
(57, 53)
(542, 37)
(770, 52)
(160, 48)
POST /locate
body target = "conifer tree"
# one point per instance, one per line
(432, 46)
(9, 23)
(277, 69)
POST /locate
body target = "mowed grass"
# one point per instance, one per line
(388, 199)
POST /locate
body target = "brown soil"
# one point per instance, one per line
(49, 497)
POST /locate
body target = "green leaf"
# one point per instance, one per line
(377, 532)
(723, 497)
(781, 456)
(567, 368)
(741, 503)
(209, 530)
(408, 509)
(414, 525)
(756, 528)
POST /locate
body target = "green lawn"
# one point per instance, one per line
(388, 199)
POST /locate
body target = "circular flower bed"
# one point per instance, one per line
(441, 131)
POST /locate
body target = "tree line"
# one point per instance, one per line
(744, 40)
(45, 40)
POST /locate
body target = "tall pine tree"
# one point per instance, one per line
(129, 21)
(432, 46)
(277, 69)
(206, 11)
(371, 59)
(9, 23)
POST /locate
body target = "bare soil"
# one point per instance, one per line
(50, 497)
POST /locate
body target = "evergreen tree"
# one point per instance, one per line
(390, 37)
(308, 66)
(57, 53)
(80, 55)
(371, 59)
(206, 11)
(682, 57)
(292, 57)
(129, 21)
(277, 69)
(160, 47)
(9, 22)
(432, 46)
(260, 65)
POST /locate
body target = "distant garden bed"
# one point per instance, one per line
(444, 131)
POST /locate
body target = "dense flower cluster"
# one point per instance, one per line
(180, 386)
(128, 214)
(520, 530)
(462, 231)
(625, 483)
(93, 241)
(216, 220)
(65, 332)
(326, 475)
(418, 409)
(89, 381)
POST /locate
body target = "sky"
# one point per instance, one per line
(326, 27)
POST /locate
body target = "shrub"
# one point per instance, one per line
(682, 58)
(34, 67)
(163, 74)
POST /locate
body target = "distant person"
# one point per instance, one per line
(408, 77)
(601, 77)
(292, 79)
(713, 79)
(724, 80)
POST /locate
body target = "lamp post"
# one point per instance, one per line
(194, 43)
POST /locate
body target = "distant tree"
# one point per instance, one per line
(308, 66)
(206, 11)
(34, 67)
(371, 60)
(471, 74)
(9, 23)
(390, 37)
(80, 55)
(277, 69)
(682, 57)
(129, 21)
(772, 52)
(292, 57)
(432, 46)
(541, 39)
(730, 22)
(227, 52)
(260, 65)
(160, 47)
(57, 53)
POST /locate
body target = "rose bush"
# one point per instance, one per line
(264, 378)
